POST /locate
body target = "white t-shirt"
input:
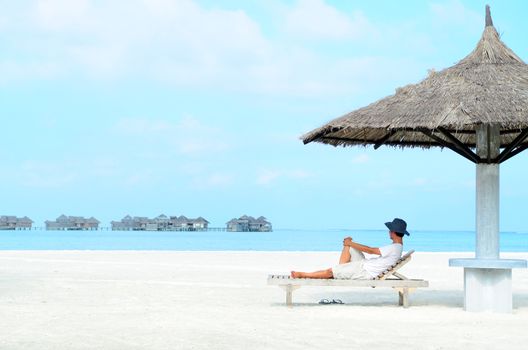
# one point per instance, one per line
(389, 255)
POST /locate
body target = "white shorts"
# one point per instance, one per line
(351, 271)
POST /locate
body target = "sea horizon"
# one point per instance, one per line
(277, 240)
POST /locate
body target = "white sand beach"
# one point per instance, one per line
(220, 300)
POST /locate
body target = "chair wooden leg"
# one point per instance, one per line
(403, 297)
(289, 293)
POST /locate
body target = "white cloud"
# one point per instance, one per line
(188, 135)
(104, 167)
(420, 182)
(139, 179)
(3, 21)
(219, 179)
(183, 44)
(39, 174)
(200, 145)
(142, 125)
(60, 14)
(454, 12)
(103, 62)
(192, 168)
(214, 180)
(314, 19)
(268, 176)
(188, 45)
(11, 70)
(178, 42)
(298, 174)
(361, 158)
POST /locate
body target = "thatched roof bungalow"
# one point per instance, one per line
(128, 223)
(9, 222)
(249, 224)
(160, 223)
(184, 223)
(64, 222)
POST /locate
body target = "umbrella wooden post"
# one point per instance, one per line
(487, 278)
(485, 288)
(487, 192)
(487, 211)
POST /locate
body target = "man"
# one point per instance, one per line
(352, 263)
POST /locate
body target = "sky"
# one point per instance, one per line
(195, 108)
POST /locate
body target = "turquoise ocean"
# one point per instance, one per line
(278, 240)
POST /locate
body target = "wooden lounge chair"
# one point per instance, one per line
(388, 278)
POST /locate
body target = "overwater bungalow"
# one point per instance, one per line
(9, 222)
(161, 223)
(185, 224)
(64, 222)
(249, 224)
(128, 223)
(200, 223)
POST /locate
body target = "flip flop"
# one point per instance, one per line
(337, 301)
(325, 301)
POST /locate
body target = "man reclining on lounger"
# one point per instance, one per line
(352, 263)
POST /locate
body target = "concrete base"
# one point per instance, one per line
(488, 283)
(487, 290)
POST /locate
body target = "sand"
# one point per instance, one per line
(220, 300)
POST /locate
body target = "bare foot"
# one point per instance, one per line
(347, 240)
(295, 274)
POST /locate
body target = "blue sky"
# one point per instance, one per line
(145, 107)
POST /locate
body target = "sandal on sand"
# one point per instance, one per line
(333, 301)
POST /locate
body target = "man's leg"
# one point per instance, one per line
(356, 255)
(350, 254)
(345, 255)
(323, 274)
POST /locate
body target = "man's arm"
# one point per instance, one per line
(361, 247)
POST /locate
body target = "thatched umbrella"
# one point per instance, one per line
(479, 109)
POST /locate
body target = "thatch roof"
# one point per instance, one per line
(93, 220)
(489, 86)
(201, 220)
(232, 221)
(25, 219)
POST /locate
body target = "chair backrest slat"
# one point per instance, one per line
(389, 271)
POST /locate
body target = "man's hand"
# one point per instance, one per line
(365, 249)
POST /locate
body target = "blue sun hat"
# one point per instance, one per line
(398, 225)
